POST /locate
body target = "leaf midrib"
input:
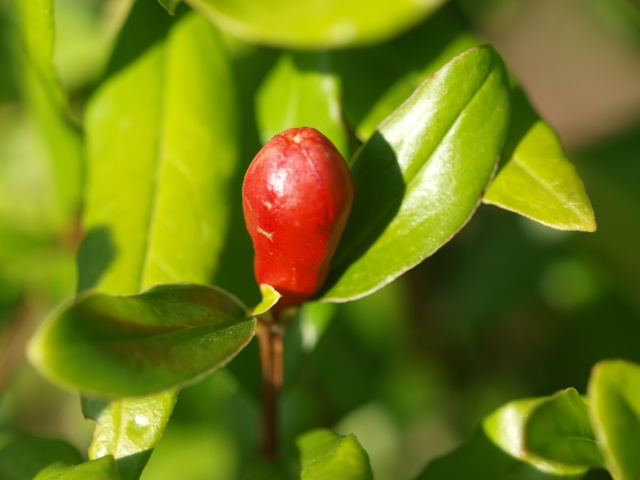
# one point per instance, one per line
(160, 154)
(409, 182)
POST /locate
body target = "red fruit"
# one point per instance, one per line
(296, 197)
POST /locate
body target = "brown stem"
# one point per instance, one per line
(270, 343)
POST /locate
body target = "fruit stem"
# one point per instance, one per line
(270, 335)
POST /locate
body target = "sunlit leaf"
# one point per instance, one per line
(302, 90)
(558, 429)
(270, 297)
(101, 469)
(327, 455)
(128, 429)
(162, 144)
(614, 395)
(175, 149)
(306, 24)
(537, 179)
(420, 176)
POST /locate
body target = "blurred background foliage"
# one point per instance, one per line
(508, 309)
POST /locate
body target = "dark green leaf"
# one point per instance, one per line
(420, 177)
(537, 179)
(559, 430)
(302, 90)
(129, 429)
(614, 396)
(307, 24)
(163, 338)
(496, 452)
(170, 5)
(23, 456)
(327, 455)
(101, 469)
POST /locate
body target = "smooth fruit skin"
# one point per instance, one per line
(296, 197)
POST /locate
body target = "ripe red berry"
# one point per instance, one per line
(296, 197)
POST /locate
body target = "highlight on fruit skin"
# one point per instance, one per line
(296, 197)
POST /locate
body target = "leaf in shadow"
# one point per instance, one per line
(23, 456)
(496, 452)
(96, 253)
(558, 429)
(614, 395)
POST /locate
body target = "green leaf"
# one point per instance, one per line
(170, 5)
(23, 456)
(420, 177)
(614, 395)
(506, 428)
(47, 101)
(129, 429)
(496, 452)
(537, 179)
(302, 90)
(163, 338)
(559, 430)
(306, 24)
(270, 297)
(327, 455)
(101, 469)
(170, 147)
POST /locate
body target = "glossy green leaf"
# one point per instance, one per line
(47, 101)
(175, 149)
(101, 469)
(497, 452)
(614, 395)
(162, 128)
(163, 338)
(23, 456)
(420, 177)
(306, 24)
(327, 455)
(128, 429)
(537, 179)
(170, 5)
(302, 90)
(558, 429)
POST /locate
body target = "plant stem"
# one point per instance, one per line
(270, 343)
